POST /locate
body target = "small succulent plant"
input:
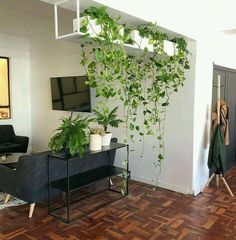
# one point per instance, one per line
(99, 131)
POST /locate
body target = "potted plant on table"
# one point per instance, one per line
(95, 139)
(106, 118)
(71, 136)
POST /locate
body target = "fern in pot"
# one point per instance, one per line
(106, 118)
(95, 139)
(71, 136)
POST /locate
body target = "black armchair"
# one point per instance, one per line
(10, 142)
(29, 182)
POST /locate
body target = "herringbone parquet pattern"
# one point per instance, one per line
(144, 214)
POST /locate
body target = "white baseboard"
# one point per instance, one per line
(34, 151)
(161, 184)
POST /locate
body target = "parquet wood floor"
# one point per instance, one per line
(143, 215)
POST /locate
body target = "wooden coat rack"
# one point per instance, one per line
(216, 174)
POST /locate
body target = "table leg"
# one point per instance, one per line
(68, 193)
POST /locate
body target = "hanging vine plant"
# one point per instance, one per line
(142, 81)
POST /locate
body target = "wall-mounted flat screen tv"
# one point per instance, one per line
(70, 94)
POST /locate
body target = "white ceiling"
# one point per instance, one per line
(71, 5)
(221, 13)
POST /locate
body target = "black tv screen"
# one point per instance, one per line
(70, 94)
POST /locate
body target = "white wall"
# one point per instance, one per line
(35, 57)
(185, 168)
(17, 49)
(225, 50)
(49, 58)
(187, 142)
(221, 50)
(202, 113)
(178, 164)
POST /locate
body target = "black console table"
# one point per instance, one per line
(71, 183)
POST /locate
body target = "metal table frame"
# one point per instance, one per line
(68, 190)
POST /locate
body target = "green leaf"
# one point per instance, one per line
(165, 104)
(83, 29)
(131, 126)
(71, 135)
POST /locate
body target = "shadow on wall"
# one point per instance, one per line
(206, 137)
(207, 129)
(201, 169)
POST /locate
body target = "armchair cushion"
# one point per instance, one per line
(11, 147)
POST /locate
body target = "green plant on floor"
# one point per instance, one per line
(106, 118)
(142, 81)
(70, 136)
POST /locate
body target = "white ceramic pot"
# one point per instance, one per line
(106, 139)
(95, 142)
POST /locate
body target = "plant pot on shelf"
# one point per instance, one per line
(95, 142)
(169, 48)
(141, 42)
(106, 139)
(67, 153)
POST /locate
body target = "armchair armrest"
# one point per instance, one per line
(7, 179)
(22, 140)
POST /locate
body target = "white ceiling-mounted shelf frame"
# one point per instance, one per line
(56, 4)
(75, 36)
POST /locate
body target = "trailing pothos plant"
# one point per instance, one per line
(143, 81)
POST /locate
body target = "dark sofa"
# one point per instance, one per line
(29, 182)
(10, 142)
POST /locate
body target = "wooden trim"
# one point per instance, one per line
(218, 67)
(8, 80)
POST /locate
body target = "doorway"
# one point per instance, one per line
(228, 94)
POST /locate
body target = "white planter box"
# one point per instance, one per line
(122, 32)
(93, 28)
(169, 48)
(106, 139)
(95, 142)
(141, 42)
